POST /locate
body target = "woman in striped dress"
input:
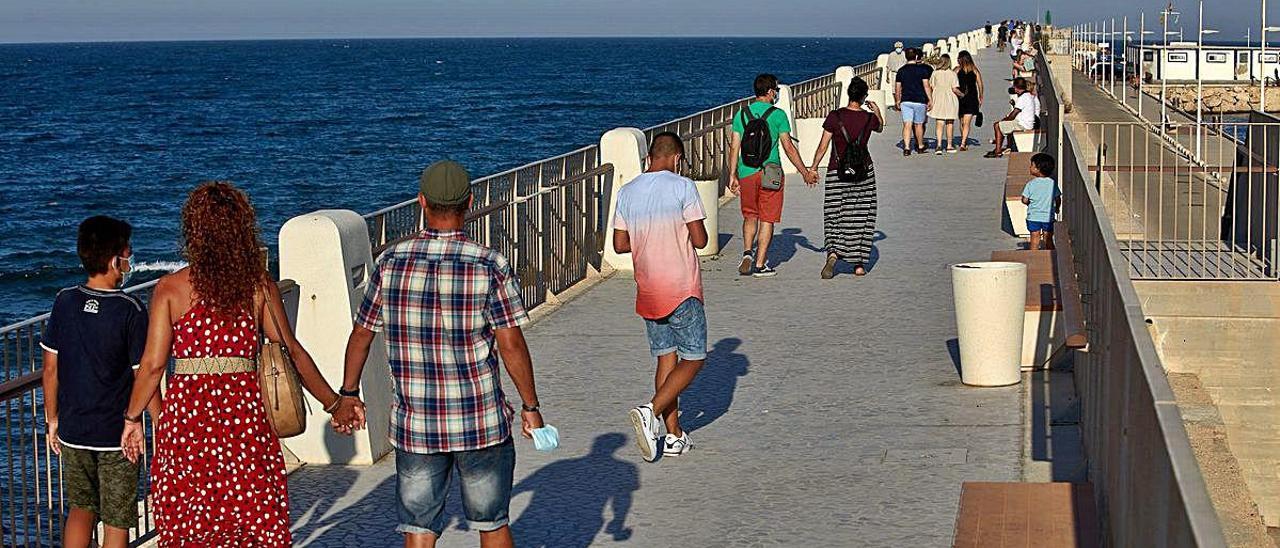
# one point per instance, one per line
(849, 208)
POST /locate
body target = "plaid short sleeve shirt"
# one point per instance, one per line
(437, 299)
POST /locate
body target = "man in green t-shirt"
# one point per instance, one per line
(762, 208)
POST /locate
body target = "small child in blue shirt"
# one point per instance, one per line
(1043, 199)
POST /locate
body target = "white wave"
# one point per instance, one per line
(159, 266)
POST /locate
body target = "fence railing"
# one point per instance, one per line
(870, 73)
(815, 97)
(707, 136)
(32, 503)
(1211, 217)
(1149, 486)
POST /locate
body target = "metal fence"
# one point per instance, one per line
(547, 218)
(1182, 216)
(32, 502)
(815, 97)
(707, 136)
(1149, 486)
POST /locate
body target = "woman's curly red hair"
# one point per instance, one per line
(221, 243)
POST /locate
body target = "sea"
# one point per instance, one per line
(128, 129)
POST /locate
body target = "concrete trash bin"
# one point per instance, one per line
(709, 191)
(990, 299)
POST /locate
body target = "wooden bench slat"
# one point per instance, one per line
(1026, 514)
(1041, 283)
(1017, 174)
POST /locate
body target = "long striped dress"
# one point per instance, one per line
(849, 217)
(849, 208)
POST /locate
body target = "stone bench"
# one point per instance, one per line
(1026, 140)
(1048, 326)
(1026, 515)
(1016, 177)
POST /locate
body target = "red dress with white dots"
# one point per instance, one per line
(218, 477)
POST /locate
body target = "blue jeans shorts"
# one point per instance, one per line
(422, 483)
(914, 113)
(1037, 226)
(683, 332)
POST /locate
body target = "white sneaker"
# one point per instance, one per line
(646, 426)
(674, 447)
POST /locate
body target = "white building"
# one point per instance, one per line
(1179, 62)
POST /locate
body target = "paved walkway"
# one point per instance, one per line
(830, 413)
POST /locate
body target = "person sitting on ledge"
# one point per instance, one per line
(1022, 117)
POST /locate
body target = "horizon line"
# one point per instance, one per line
(410, 37)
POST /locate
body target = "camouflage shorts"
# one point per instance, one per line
(102, 482)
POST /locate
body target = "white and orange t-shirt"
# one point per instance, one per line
(654, 209)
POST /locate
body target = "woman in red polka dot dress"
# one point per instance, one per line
(218, 476)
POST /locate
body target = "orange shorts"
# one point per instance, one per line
(758, 203)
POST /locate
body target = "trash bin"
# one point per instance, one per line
(991, 299)
(710, 193)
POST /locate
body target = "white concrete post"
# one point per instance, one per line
(327, 253)
(927, 49)
(844, 75)
(882, 65)
(784, 103)
(625, 148)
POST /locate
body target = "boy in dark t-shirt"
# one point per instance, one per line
(93, 341)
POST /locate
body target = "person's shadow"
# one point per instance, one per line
(787, 243)
(873, 258)
(711, 394)
(570, 496)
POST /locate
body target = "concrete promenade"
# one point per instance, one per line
(830, 413)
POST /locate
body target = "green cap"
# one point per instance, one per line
(445, 183)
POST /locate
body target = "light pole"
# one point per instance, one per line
(1200, 59)
(1142, 58)
(1163, 64)
(1124, 63)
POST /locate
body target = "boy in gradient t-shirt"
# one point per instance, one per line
(659, 221)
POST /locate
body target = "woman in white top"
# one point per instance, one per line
(946, 103)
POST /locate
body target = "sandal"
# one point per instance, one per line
(993, 154)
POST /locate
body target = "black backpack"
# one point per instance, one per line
(855, 163)
(757, 138)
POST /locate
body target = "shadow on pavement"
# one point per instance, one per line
(570, 496)
(787, 243)
(711, 394)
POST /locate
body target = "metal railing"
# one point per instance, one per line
(815, 97)
(869, 73)
(707, 136)
(1146, 478)
(547, 218)
(32, 502)
(1211, 217)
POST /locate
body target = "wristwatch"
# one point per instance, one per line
(135, 419)
(529, 409)
(349, 393)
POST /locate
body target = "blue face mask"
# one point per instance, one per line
(546, 438)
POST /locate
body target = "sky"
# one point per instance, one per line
(112, 20)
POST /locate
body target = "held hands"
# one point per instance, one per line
(811, 176)
(349, 416)
(734, 185)
(530, 421)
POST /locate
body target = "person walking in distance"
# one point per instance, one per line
(897, 58)
(849, 208)
(987, 31)
(946, 104)
(759, 131)
(914, 96)
(659, 221)
(971, 95)
(448, 307)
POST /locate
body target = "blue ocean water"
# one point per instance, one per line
(127, 129)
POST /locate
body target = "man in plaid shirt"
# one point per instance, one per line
(442, 302)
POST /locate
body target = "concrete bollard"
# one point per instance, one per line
(886, 77)
(709, 191)
(327, 253)
(990, 301)
(625, 148)
(844, 75)
(784, 103)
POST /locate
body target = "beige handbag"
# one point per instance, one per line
(281, 387)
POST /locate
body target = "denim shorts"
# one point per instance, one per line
(1038, 226)
(422, 483)
(915, 113)
(683, 332)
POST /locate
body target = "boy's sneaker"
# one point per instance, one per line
(674, 447)
(765, 271)
(646, 426)
(748, 259)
